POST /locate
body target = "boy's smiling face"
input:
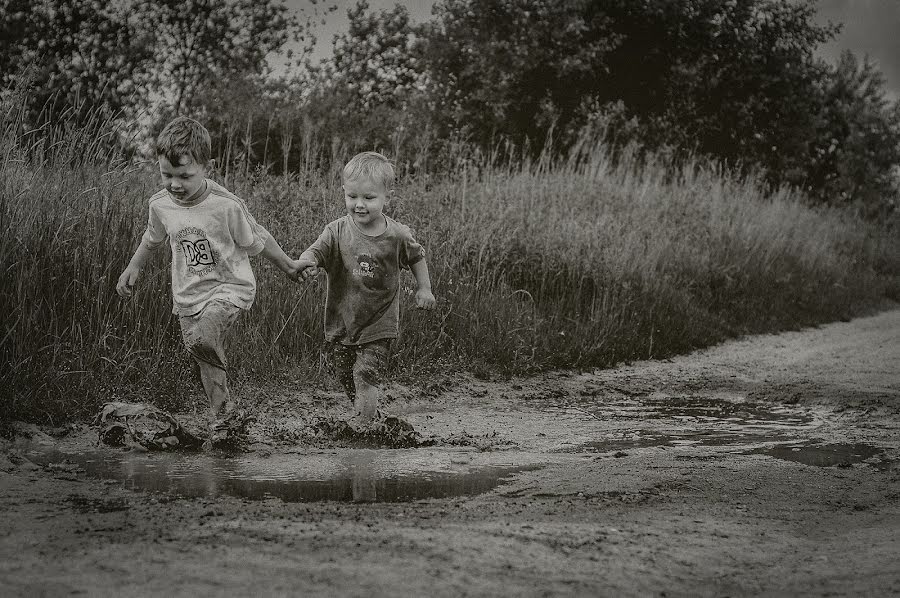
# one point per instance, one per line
(365, 200)
(183, 180)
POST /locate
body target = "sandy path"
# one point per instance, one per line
(654, 480)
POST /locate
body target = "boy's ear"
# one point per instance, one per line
(210, 165)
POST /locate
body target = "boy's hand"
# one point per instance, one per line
(305, 268)
(425, 299)
(125, 285)
(309, 272)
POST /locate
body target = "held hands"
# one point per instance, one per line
(125, 285)
(304, 269)
(424, 299)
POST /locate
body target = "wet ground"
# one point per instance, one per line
(764, 466)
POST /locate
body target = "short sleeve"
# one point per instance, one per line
(246, 231)
(155, 234)
(410, 250)
(321, 249)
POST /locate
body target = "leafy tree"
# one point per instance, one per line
(378, 61)
(516, 67)
(200, 45)
(856, 153)
(370, 93)
(77, 56)
(732, 79)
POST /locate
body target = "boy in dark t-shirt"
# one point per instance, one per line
(362, 254)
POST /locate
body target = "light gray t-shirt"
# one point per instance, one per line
(363, 301)
(211, 238)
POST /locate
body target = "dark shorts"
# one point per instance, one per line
(351, 364)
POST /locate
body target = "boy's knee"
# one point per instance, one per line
(203, 351)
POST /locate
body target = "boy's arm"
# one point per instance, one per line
(316, 255)
(424, 297)
(273, 252)
(129, 276)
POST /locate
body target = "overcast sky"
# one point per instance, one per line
(869, 27)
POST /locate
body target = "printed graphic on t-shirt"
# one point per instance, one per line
(369, 270)
(199, 255)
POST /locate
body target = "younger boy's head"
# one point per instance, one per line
(368, 181)
(372, 166)
(183, 150)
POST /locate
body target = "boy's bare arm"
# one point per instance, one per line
(273, 252)
(424, 297)
(129, 276)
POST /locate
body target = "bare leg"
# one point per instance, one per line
(339, 360)
(368, 372)
(215, 384)
(367, 396)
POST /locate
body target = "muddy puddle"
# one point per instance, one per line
(664, 421)
(828, 455)
(751, 428)
(354, 475)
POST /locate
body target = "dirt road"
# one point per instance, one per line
(766, 466)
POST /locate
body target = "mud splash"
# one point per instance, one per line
(354, 475)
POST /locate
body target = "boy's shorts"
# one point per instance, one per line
(367, 362)
(204, 332)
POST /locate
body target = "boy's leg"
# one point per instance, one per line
(368, 375)
(339, 362)
(204, 338)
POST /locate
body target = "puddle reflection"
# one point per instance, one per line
(359, 476)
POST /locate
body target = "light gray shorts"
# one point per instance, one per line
(204, 332)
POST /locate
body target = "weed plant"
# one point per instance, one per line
(581, 262)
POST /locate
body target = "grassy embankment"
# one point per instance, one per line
(587, 262)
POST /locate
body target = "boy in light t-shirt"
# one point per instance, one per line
(211, 234)
(362, 254)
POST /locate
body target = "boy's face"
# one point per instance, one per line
(182, 180)
(365, 200)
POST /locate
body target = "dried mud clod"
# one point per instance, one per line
(145, 426)
(138, 424)
(384, 431)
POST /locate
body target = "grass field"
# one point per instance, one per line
(586, 262)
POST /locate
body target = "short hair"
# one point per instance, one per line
(184, 136)
(371, 165)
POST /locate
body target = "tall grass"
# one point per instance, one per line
(583, 262)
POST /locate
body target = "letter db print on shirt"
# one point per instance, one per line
(197, 253)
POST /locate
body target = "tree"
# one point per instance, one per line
(78, 56)
(516, 67)
(379, 60)
(857, 148)
(724, 77)
(200, 45)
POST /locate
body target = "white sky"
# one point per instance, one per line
(870, 27)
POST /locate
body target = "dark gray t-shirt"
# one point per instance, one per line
(363, 301)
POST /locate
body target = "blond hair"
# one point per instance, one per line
(371, 165)
(184, 136)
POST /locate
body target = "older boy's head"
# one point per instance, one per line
(184, 137)
(183, 150)
(372, 166)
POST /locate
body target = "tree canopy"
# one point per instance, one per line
(736, 80)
